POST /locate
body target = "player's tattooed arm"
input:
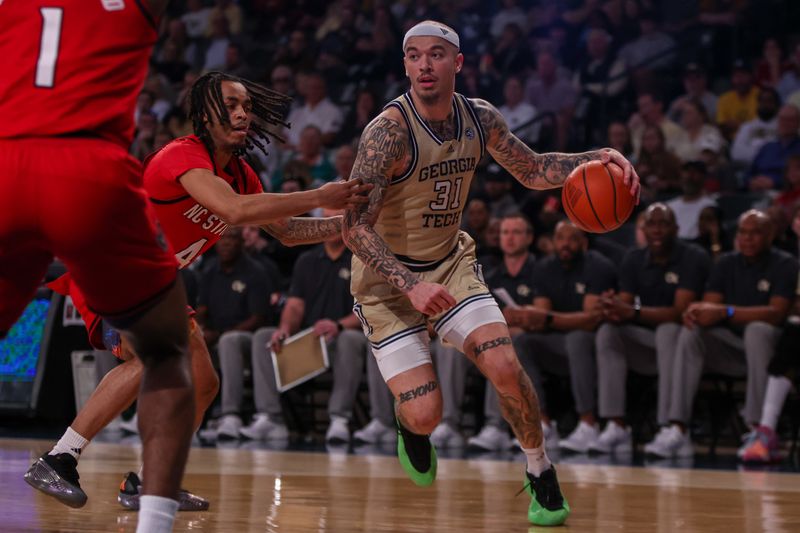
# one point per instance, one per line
(534, 171)
(294, 231)
(382, 153)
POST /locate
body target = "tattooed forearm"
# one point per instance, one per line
(382, 150)
(520, 408)
(534, 171)
(488, 345)
(304, 230)
(373, 251)
(422, 390)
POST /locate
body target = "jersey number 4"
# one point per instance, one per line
(48, 47)
(188, 254)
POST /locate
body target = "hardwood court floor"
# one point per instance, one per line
(303, 492)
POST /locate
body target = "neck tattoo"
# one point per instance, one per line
(444, 129)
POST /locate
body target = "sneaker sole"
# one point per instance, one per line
(43, 478)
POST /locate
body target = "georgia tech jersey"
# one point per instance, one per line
(421, 213)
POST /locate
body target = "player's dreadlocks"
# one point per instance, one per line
(206, 103)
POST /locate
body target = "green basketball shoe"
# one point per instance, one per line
(417, 456)
(548, 506)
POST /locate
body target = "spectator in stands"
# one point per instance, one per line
(196, 19)
(733, 331)
(762, 445)
(234, 62)
(656, 285)
(232, 13)
(233, 301)
(688, 206)
(171, 63)
(497, 185)
(560, 328)
(721, 175)
(366, 108)
(518, 112)
(218, 41)
(651, 113)
(318, 110)
(695, 85)
(146, 129)
(770, 67)
(738, 105)
(476, 221)
(550, 91)
(712, 237)
(658, 168)
(784, 238)
(311, 152)
(510, 13)
(619, 138)
(699, 133)
(320, 298)
(601, 80)
(790, 195)
(769, 164)
(282, 80)
(652, 50)
(789, 83)
(515, 275)
(296, 52)
(510, 54)
(755, 133)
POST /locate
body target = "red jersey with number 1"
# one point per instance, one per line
(72, 67)
(191, 229)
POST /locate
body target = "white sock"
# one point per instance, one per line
(141, 472)
(778, 388)
(537, 460)
(71, 442)
(156, 514)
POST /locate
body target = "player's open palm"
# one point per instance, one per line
(430, 298)
(344, 194)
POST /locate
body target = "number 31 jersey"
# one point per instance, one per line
(72, 67)
(191, 229)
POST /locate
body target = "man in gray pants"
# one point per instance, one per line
(319, 297)
(733, 331)
(559, 327)
(656, 284)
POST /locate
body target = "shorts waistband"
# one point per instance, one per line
(415, 265)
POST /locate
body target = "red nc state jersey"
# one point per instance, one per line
(72, 67)
(190, 228)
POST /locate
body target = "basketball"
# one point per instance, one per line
(596, 198)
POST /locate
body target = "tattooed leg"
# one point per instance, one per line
(418, 400)
(490, 348)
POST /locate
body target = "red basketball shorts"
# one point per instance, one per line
(81, 200)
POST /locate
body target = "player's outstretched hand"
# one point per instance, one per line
(631, 178)
(430, 298)
(344, 194)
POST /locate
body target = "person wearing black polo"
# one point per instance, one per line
(656, 284)
(319, 297)
(515, 275)
(233, 302)
(560, 328)
(734, 330)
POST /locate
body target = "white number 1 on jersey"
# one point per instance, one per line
(48, 47)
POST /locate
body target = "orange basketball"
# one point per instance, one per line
(595, 197)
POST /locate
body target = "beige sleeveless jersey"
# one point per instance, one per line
(421, 213)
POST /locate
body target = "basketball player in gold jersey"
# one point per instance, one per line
(413, 267)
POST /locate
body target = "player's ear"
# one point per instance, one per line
(459, 62)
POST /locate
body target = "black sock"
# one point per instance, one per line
(418, 448)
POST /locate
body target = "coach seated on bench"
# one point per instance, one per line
(656, 284)
(560, 328)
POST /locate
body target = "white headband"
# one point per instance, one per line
(426, 29)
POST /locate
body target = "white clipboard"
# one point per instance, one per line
(303, 356)
(506, 298)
